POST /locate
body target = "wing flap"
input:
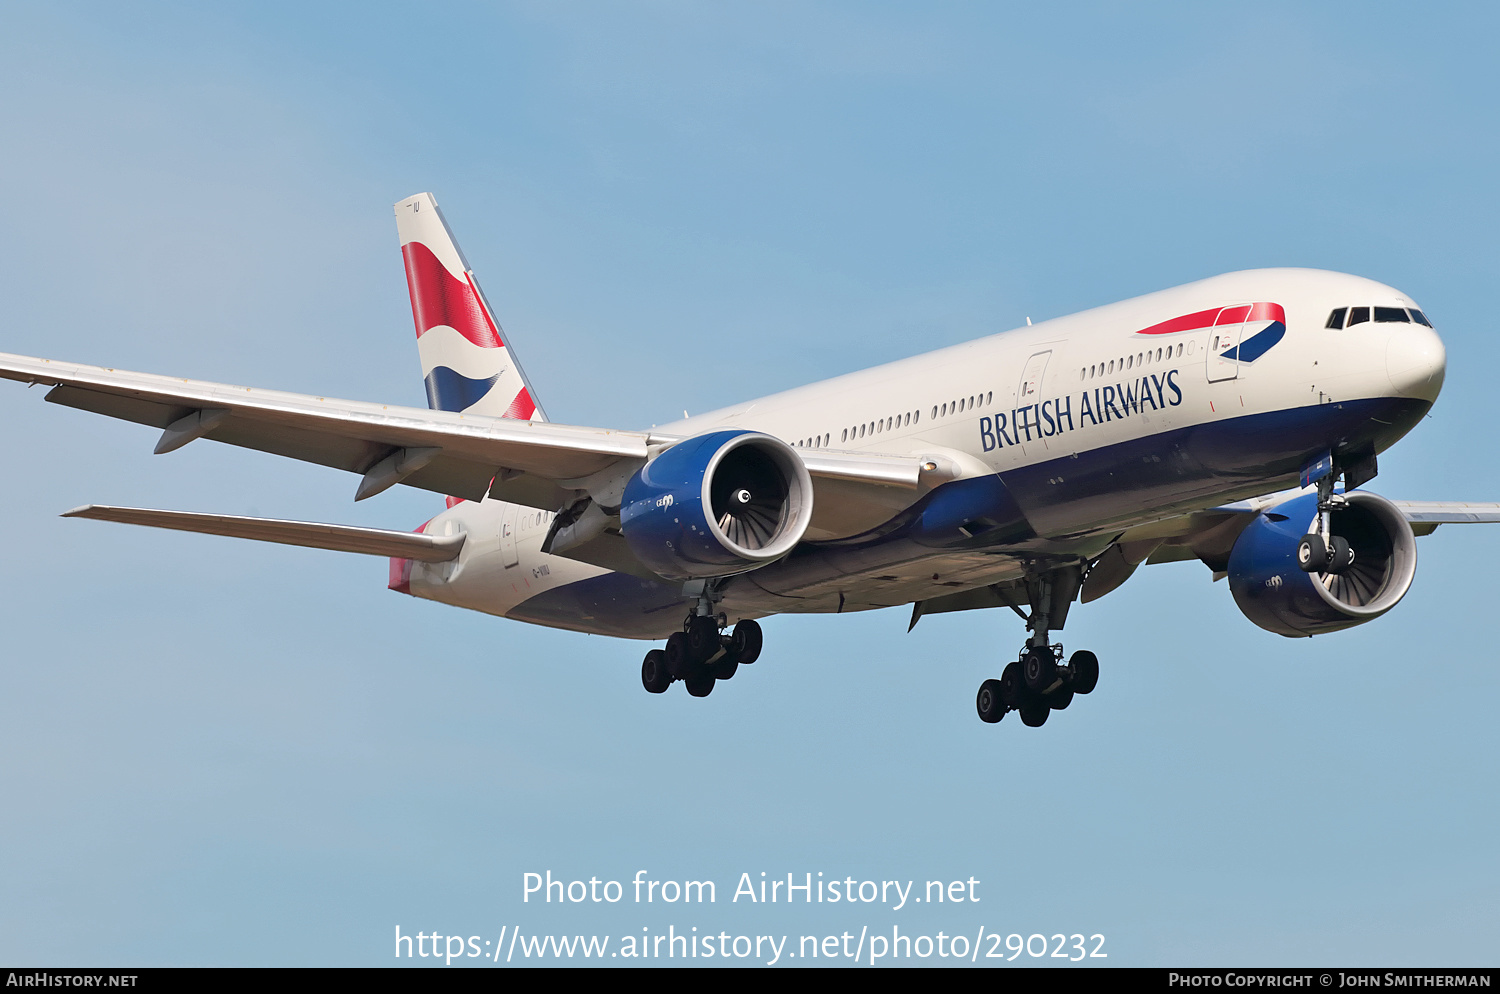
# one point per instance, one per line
(142, 412)
(310, 534)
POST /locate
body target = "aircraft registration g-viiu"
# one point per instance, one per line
(1232, 420)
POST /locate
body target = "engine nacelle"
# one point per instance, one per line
(717, 504)
(1273, 591)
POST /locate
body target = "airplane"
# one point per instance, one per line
(1233, 420)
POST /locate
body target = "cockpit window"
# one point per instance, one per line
(1387, 315)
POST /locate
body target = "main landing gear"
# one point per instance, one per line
(700, 656)
(1039, 683)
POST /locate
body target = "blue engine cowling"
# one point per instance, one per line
(717, 504)
(1272, 591)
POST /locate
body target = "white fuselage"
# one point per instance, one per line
(1057, 409)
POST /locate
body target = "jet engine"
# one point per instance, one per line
(1273, 591)
(717, 504)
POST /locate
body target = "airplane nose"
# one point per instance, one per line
(1415, 360)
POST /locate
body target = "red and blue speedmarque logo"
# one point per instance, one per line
(1261, 324)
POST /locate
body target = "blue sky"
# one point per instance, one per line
(225, 753)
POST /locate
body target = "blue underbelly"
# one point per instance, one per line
(1034, 510)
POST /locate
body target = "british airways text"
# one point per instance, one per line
(1107, 403)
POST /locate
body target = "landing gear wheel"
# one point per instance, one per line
(1340, 556)
(1312, 554)
(1038, 668)
(724, 668)
(1085, 667)
(1012, 687)
(989, 704)
(1059, 699)
(654, 675)
(745, 642)
(679, 660)
(700, 686)
(1035, 715)
(702, 639)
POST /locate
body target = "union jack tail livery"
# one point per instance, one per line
(465, 361)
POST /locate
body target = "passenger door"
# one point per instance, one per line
(1030, 390)
(1222, 362)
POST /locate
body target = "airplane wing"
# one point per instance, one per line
(1209, 535)
(534, 463)
(1206, 536)
(1426, 515)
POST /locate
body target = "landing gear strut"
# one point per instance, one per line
(1321, 551)
(1039, 683)
(701, 654)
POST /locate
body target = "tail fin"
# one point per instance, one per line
(465, 361)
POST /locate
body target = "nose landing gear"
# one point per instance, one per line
(1321, 551)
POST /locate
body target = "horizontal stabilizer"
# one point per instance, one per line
(314, 535)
